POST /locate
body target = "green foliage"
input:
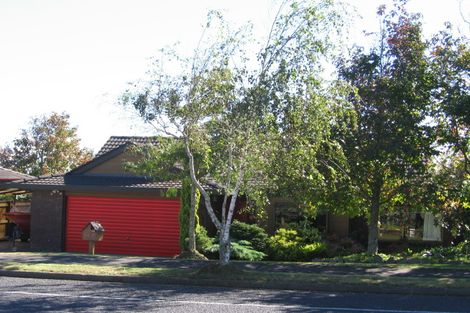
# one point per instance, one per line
(452, 196)
(391, 143)
(367, 258)
(162, 161)
(49, 146)
(451, 64)
(240, 250)
(165, 160)
(301, 107)
(287, 245)
(203, 241)
(306, 231)
(184, 213)
(251, 233)
(238, 113)
(171, 193)
(436, 255)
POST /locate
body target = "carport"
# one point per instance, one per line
(14, 208)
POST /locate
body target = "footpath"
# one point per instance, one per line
(273, 275)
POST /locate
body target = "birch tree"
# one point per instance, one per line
(219, 101)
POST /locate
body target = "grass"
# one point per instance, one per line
(85, 269)
(281, 279)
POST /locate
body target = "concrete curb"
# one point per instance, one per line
(354, 288)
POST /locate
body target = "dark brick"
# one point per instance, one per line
(47, 221)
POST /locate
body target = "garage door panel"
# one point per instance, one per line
(132, 226)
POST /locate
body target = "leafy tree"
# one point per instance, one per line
(451, 63)
(392, 141)
(452, 205)
(304, 109)
(6, 159)
(218, 104)
(49, 146)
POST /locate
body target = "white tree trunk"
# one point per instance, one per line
(222, 226)
(224, 248)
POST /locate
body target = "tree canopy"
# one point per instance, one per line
(243, 117)
(49, 146)
(392, 141)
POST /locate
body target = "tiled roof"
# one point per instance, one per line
(6, 174)
(93, 182)
(98, 181)
(117, 141)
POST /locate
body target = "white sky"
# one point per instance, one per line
(77, 55)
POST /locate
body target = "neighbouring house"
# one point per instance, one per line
(139, 214)
(9, 175)
(415, 227)
(11, 204)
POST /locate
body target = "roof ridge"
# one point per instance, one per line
(140, 137)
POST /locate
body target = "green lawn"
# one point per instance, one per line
(259, 278)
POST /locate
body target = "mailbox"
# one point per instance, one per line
(92, 232)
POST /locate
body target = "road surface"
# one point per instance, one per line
(36, 295)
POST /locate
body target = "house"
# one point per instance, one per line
(419, 228)
(139, 215)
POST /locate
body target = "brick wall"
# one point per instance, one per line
(47, 221)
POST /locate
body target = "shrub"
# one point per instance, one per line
(286, 245)
(240, 250)
(203, 241)
(342, 246)
(306, 231)
(252, 233)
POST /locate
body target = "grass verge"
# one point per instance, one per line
(85, 269)
(256, 278)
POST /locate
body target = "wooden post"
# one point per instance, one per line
(91, 247)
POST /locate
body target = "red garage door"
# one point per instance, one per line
(132, 226)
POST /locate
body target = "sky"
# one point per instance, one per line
(77, 56)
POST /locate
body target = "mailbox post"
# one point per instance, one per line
(92, 232)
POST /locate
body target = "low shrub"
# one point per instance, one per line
(252, 233)
(240, 250)
(306, 231)
(366, 258)
(458, 253)
(287, 245)
(436, 255)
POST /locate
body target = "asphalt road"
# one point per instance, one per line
(35, 295)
